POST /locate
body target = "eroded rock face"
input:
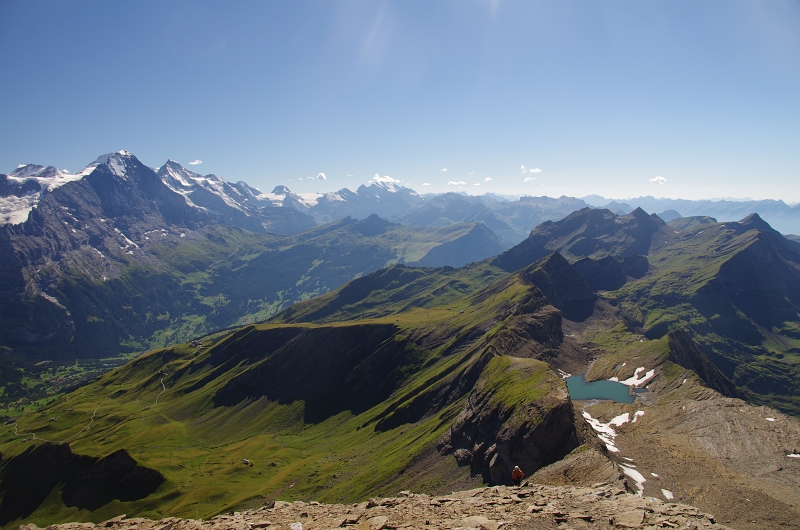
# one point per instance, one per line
(683, 352)
(519, 414)
(611, 272)
(530, 506)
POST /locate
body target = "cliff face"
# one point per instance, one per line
(519, 413)
(564, 287)
(763, 284)
(683, 352)
(330, 369)
(611, 272)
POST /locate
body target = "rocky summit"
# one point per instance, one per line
(531, 506)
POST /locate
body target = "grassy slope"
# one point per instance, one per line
(198, 444)
(186, 287)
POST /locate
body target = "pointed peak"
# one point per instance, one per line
(755, 221)
(281, 190)
(639, 213)
(553, 259)
(117, 163)
(552, 262)
(753, 217)
(372, 225)
(118, 155)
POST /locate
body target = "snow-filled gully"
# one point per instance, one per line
(607, 434)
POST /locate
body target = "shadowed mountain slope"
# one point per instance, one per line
(735, 289)
(589, 233)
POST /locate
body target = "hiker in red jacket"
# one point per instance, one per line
(516, 476)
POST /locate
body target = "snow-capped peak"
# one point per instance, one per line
(388, 183)
(116, 162)
(25, 186)
(40, 173)
(185, 182)
(176, 174)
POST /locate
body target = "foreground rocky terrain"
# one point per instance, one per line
(531, 506)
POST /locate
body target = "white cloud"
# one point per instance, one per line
(349, 175)
(444, 169)
(530, 179)
(488, 179)
(20, 165)
(477, 184)
(195, 162)
(523, 169)
(426, 183)
(301, 178)
(658, 180)
(387, 178)
(471, 172)
(535, 170)
(454, 183)
(322, 176)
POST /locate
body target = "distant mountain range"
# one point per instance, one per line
(120, 257)
(282, 211)
(781, 216)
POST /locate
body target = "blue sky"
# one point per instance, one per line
(602, 97)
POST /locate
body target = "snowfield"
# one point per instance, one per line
(635, 380)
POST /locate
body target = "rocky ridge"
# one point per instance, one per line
(531, 506)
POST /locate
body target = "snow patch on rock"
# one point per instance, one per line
(637, 477)
(637, 381)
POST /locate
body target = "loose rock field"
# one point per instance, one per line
(531, 506)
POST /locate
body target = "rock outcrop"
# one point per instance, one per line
(531, 506)
(563, 286)
(519, 413)
(611, 272)
(685, 353)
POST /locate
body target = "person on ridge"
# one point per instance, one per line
(516, 476)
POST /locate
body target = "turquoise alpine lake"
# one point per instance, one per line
(579, 389)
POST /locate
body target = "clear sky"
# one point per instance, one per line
(601, 97)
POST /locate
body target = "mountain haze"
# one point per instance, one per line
(120, 258)
(781, 216)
